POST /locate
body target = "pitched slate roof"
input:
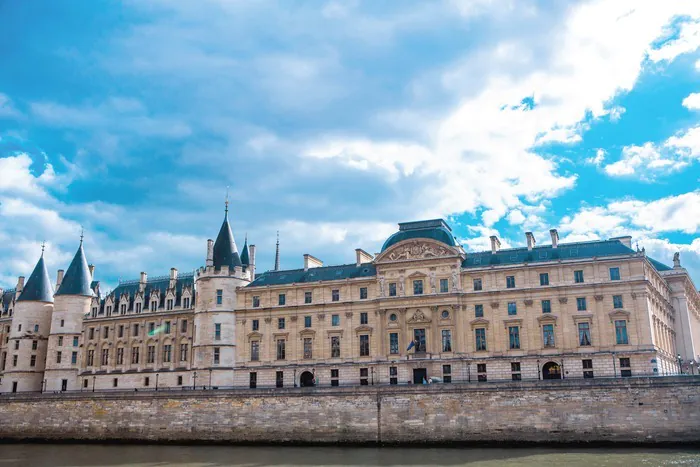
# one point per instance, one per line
(77, 279)
(38, 288)
(245, 259)
(6, 300)
(436, 229)
(225, 251)
(327, 273)
(157, 283)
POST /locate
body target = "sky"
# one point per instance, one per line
(332, 121)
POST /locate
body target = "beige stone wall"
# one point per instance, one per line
(642, 410)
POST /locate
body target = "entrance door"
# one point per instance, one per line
(307, 379)
(64, 385)
(551, 370)
(419, 374)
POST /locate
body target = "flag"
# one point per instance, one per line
(410, 346)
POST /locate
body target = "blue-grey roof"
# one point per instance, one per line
(6, 300)
(659, 266)
(435, 229)
(38, 288)
(77, 279)
(327, 273)
(157, 283)
(245, 259)
(225, 251)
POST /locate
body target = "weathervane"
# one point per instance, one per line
(227, 198)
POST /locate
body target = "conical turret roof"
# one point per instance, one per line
(245, 257)
(38, 288)
(225, 251)
(77, 279)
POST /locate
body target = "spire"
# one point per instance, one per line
(38, 288)
(77, 279)
(277, 253)
(225, 251)
(245, 257)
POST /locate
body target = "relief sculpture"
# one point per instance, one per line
(418, 250)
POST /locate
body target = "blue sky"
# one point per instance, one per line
(332, 121)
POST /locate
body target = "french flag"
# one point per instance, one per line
(411, 345)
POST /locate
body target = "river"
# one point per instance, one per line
(77, 455)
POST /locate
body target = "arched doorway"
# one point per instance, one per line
(307, 379)
(551, 370)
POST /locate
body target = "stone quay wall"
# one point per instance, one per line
(630, 410)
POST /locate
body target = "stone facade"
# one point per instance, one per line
(639, 410)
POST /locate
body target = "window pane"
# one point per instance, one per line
(446, 340)
(479, 311)
(544, 278)
(443, 286)
(581, 304)
(584, 334)
(546, 306)
(514, 337)
(394, 343)
(614, 274)
(512, 308)
(477, 284)
(418, 287)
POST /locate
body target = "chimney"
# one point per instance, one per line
(627, 241)
(311, 262)
(361, 256)
(59, 278)
(530, 240)
(555, 237)
(173, 274)
(251, 257)
(20, 284)
(210, 252)
(92, 271)
(142, 281)
(495, 244)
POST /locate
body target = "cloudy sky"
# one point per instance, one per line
(331, 121)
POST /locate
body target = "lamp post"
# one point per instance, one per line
(614, 367)
(156, 381)
(209, 378)
(93, 384)
(372, 375)
(194, 380)
(539, 376)
(680, 363)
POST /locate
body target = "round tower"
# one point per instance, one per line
(214, 346)
(29, 331)
(72, 303)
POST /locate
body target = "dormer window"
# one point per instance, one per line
(154, 305)
(109, 311)
(123, 308)
(186, 302)
(169, 304)
(138, 308)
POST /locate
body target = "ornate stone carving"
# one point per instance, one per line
(455, 280)
(293, 318)
(418, 250)
(402, 279)
(433, 286)
(563, 300)
(382, 288)
(268, 320)
(598, 298)
(495, 304)
(321, 316)
(419, 317)
(348, 314)
(243, 321)
(528, 302)
(676, 260)
(634, 295)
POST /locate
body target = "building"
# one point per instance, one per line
(420, 309)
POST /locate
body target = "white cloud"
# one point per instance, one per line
(692, 102)
(598, 159)
(7, 109)
(616, 113)
(688, 39)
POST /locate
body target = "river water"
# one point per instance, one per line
(77, 455)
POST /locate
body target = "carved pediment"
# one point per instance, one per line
(254, 335)
(547, 319)
(362, 329)
(512, 322)
(418, 250)
(418, 317)
(479, 322)
(619, 314)
(417, 274)
(307, 333)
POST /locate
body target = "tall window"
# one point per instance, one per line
(151, 357)
(120, 356)
(335, 346)
(446, 340)
(512, 308)
(91, 333)
(335, 320)
(60, 354)
(254, 351)
(154, 305)
(308, 347)
(138, 308)
(151, 329)
(581, 304)
(217, 355)
(363, 293)
(419, 340)
(281, 299)
(364, 345)
(253, 380)
(135, 330)
(393, 375)
(122, 308)
(134, 355)
(256, 324)
(279, 379)
(307, 321)
(167, 353)
(183, 352)
(587, 368)
(73, 358)
(281, 349)
(219, 296)
(544, 278)
(548, 335)
(584, 334)
(186, 302)
(307, 297)
(444, 286)
(364, 372)
(621, 332)
(418, 287)
(578, 277)
(335, 295)
(183, 326)
(120, 333)
(363, 318)
(169, 304)
(546, 306)
(280, 323)
(477, 284)
(480, 335)
(447, 373)
(514, 337)
(479, 311)
(617, 301)
(256, 301)
(510, 282)
(394, 343)
(614, 274)
(392, 289)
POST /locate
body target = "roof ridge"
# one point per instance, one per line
(549, 245)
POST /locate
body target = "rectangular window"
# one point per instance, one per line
(166, 330)
(14, 359)
(281, 349)
(280, 323)
(478, 311)
(167, 353)
(279, 379)
(308, 348)
(134, 355)
(446, 340)
(617, 301)
(186, 302)
(480, 334)
(60, 341)
(614, 274)
(446, 373)
(151, 329)
(307, 297)
(335, 347)
(477, 284)
(625, 370)
(394, 343)
(515, 367)
(17, 345)
(335, 295)
(514, 337)
(183, 352)
(217, 355)
(35, 345)
(122, 309)
(444, 286)
(36, 328)
(91, 333)
(548, 335)
(135, 330)
(335, 320)
(256, 301)
(146, 381)
(364, 345)
(151, 355)
(584, 334)
(481, 370)
(581, 304)
(364, 373)
(115, 382)
(75, 341)
(169, 304)
(544, 278)
(121, 330)
(120, 356)
(512, 309)
(254, 351)
(58, 357)
(154, 305)
(105, 357)
(510, 282)
(621, 332)
(419, 340)
(281, 299)
(183, 326)
(392, 289)
(307, 321)
(363, 293)
(219, 296)
(418, 287)
(578, 277)
(546, 306)
(74, 358)
(256, 325)
(138, 308)
(253, 380)
(363, 318)
(179, 380)
(393, 375)
(587, 368)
